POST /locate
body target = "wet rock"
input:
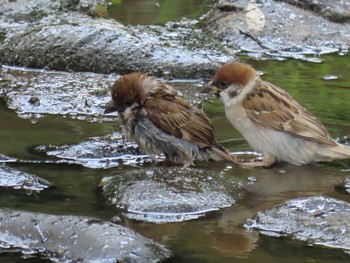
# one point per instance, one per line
(20, 15)
(99, 152)
(171, 194)
(33, 93)
(4, 158)
(334, 10)
(13, 178)
(75, 239)
(73, 41)
(22, 10)
(276, 29)
(316, 220)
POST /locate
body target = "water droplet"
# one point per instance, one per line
(252, 179)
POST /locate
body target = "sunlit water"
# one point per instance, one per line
(323, 88)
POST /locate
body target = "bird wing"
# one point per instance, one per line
(271, 107)
(178, 118)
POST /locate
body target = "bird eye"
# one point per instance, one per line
(223, 83)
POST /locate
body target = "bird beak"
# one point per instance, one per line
(110, 108)
(210, 88)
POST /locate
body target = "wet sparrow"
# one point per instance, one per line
(159, 122)
(272, 121)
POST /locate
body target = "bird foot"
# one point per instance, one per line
(266, 162)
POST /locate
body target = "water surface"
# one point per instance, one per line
(323, 88)
(143, 12)
(219, 237)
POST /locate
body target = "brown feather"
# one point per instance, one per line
(178, 118)
(272, 107)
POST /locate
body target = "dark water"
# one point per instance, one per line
(323, 88)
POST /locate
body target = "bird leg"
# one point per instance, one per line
(267, 161)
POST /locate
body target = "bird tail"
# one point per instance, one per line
(219, 153)
(337, 152)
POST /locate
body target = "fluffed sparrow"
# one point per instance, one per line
(160, 122)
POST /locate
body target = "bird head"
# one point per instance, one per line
(127, 91)
(232, 77)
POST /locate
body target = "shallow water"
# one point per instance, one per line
(323, 88)
(220, 236)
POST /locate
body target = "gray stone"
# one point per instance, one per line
(316, 220)
(334, 10)
(22, 10)
(276, 29)
(75, 239)
(10, 177)
(171, 194)
(75, 41)
(34, 93)
(99, 152)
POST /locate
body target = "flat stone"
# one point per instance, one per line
(10, 177)
(36, 93)
(274, 29)
(171, 194)
(75, 239)
(74, 41)
(315, 220)
(99, 152)
(334, 10)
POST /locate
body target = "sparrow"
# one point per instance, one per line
(159, 122)
(271, 120)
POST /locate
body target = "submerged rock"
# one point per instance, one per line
(99, 152)
(75, 239)
(316, 220)
(13, 178)
(75, 41)
(171, 194)
(276, 29)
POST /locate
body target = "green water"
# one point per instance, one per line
(155, 12)
(220, 237)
